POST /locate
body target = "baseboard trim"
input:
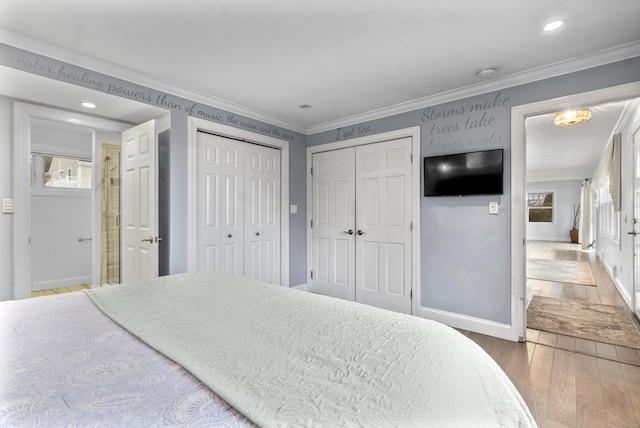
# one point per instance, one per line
(301, 287)
(625, 295)
(464, 322)
(58, 283)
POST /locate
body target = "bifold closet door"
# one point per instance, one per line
(262, 213)
(333, 229)
(361, 231)
(220, 206)
(383, 222)
(238, 209)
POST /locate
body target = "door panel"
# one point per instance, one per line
(139, 202)
(383, 250)
(239, 222)
(333, 258)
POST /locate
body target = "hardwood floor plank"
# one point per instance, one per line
(547, 338)
(540, 369)
(588, 386)
(566, 342)
(591, 417)
(562, 391)
(586, 346)
(538, 402)
(632, 376)
(605, 350)
(617, 400)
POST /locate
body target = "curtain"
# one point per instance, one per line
(615, 173)
(585, 221)
(608, 171)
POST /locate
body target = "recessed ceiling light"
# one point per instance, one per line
(486, 73)
(305, 106)
(87, 104)
(553, 25)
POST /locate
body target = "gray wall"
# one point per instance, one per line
(465, 252)
(567, 195)
(465, 265)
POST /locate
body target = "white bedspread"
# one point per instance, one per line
(289, 358)
(63, 363)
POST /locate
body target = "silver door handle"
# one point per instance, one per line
(149, 240)
(633, 232)
(360, 232)
(348, 232)
(84, 239)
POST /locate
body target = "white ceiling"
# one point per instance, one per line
(349, 60)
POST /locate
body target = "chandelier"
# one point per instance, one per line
(572, 117)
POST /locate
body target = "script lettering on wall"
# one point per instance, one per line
(448, 128)
(15, 58)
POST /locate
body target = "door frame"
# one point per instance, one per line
(197, 124)
(519, 115)
(414, 133)
(23, 113)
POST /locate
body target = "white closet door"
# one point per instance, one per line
(220, 213)
(262, 213)
(333, 231)
(383, 236)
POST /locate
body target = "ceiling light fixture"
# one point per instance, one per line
(553, 25)
(87, 104)
(486, 73)
(572, 117)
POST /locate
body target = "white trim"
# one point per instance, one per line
(301, 287)
(414, 133)
(624, 293)
(62, 282)
(518, 183)
(196, 124)
(22, 115)
(607, 56)
(464, 322)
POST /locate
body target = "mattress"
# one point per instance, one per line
(219, 350)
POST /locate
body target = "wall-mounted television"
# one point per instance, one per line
(473, 173)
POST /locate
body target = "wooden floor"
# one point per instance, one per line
(60, 290)
(570, 382)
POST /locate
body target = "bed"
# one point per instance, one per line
(212, 349)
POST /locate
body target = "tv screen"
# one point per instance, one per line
(474, 173)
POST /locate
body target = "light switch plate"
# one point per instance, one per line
(493, 208)
(294, 209)
(7, 206)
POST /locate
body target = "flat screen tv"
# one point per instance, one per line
(473, 173)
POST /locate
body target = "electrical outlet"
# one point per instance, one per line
(493, 208)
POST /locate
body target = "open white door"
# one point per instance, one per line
(139, 203)
(636, 219)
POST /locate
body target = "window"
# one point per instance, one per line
(609, 217)
(60, 172)
(540, 207)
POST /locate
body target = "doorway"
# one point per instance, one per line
(110, 214)
(518, 183)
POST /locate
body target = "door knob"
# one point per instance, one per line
(257, 233)
(229, 236)
(360, 232)
(149, 240)
(348, 232)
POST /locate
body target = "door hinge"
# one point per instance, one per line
(411, 294)
(311, 274)
(311, 171)
(411, 159)
(411, 226)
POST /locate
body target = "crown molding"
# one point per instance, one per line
(607, 56)
(21, 41)
(98, 65)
